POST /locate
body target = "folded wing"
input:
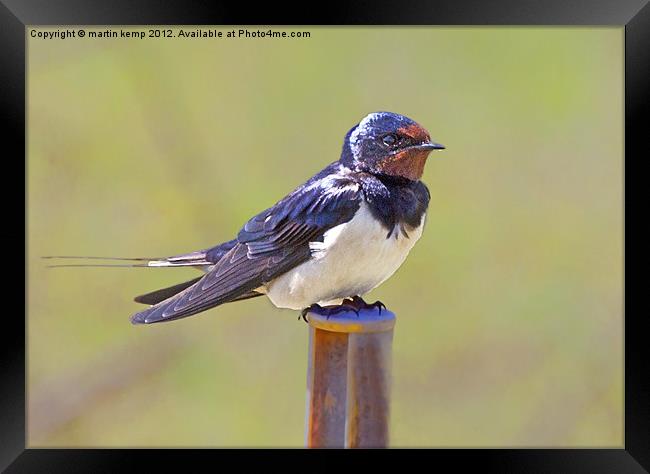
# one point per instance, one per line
(271, 243)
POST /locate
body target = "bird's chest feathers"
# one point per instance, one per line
(365, 235)
(360, 254)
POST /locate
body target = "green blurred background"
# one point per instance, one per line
(509, 308)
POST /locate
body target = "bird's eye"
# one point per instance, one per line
(390, 140)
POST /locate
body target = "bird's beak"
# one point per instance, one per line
(429, 146)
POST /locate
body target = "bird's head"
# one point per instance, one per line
(389, 144)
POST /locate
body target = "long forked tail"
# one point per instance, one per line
(189, 259)
(74, 257)
(199, 258)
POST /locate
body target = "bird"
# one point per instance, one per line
(324, 245)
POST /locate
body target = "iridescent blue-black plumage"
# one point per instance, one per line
(395, 201)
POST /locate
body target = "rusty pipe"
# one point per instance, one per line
(348, 379)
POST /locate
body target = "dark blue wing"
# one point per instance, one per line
(270, 244)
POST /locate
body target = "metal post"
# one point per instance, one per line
(348, 379)
(326, 388)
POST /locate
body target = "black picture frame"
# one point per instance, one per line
(634, 15)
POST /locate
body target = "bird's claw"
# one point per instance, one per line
(303, 314)
(379, 305)
(328, 311)
(355, 304)
(361, 304)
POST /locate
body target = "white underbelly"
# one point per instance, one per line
(353, 258)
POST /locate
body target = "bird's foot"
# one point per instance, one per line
(361, 304)
(327, 311)
(354, 304)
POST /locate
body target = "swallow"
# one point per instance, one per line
(327, 243)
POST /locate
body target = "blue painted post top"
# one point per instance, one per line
(368, 320)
